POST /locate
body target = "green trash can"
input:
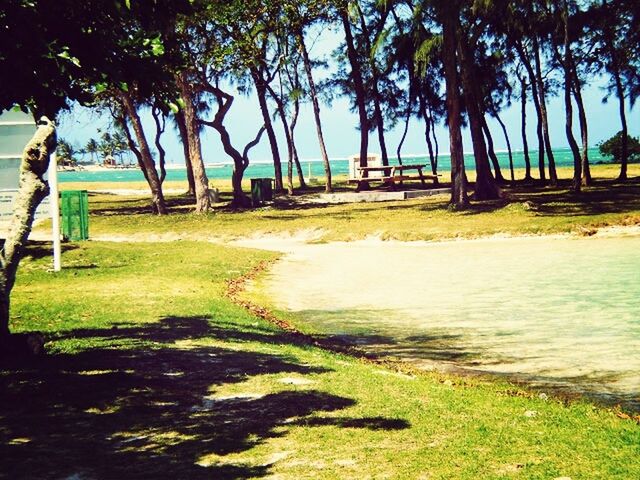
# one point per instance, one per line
(261, 191)
(75, 214)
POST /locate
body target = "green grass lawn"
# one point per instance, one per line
(154, 373)
(525, 210)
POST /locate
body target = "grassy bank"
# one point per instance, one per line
(525, 210)
(153, 373)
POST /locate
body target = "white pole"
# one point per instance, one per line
(309, 164)
(55, 211)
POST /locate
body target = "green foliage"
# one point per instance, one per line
(53, 52)
(613, 148)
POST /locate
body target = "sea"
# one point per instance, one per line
(315, 168)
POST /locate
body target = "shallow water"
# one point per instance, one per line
(554, 312)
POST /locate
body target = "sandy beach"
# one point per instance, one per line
(536, 308)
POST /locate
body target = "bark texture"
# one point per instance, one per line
(146, 160)
(358, 87)
(203, 202)
(316, 111)
(32, 189)
(459, 198)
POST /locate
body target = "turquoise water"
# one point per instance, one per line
(557, 313)
(338, 167)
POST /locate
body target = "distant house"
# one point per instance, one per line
(16, 129)
(109, 161)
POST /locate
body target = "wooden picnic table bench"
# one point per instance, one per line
(392, 175)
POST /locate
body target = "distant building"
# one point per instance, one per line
(16, 129)
(109, 161)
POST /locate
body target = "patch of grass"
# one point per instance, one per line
(154, 374)
(526, 209)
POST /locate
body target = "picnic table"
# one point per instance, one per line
(392, 175)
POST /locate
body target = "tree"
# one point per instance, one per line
(613, 147)
(65, 152)
(92, 148)
(448, 15)
(46, 63)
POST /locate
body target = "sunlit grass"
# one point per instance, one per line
(154, 374)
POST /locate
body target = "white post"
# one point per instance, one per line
(309, 164)
(55, 211)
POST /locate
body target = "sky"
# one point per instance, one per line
(340, 125)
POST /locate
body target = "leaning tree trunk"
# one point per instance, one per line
(536, 103)
(203, 201)
(33, 188)
(261, 91)
(568, 107)
(148, 165)
(623, 120)
(584, 133)
(316, 111)
(553, 176)
(525, 144)
(506, 139)
(492, 152)
(292, 129)
(287, 133)
(459, 199)
(358, 85)
(182, 129)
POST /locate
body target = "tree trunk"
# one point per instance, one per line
(203, 201)
(506, 138)
(316, 111)
(427, 136)
(491, 151)
(459, 199)
(160, 121)
(182, 129)
(148, 165)
(404, 133)
(536, 102)
(376, 97)
(568, 107)
(292, 128)
(287, 133)
(623, 120)
(486, 187)
(584, 133)
(525, 144)
(261, 91)
(358, 86)
(553, 176)
(32, 189)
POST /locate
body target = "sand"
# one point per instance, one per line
(556, 310)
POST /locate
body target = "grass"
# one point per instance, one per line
(526, 209)
(154, 373)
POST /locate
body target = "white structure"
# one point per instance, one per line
(16, 129)
(373, 160)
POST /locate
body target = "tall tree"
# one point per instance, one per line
(448, 17)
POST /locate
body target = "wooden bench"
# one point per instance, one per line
(391, 175)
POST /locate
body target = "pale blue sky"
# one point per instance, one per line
(339, 124)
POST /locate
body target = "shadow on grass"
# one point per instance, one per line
(605, 196)
(136, 404)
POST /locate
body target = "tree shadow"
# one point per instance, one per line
(142, 402)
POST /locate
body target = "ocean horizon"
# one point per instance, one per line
(315, 168)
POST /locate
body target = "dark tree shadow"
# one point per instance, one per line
(138, 405)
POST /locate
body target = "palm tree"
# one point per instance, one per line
(91, 148)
